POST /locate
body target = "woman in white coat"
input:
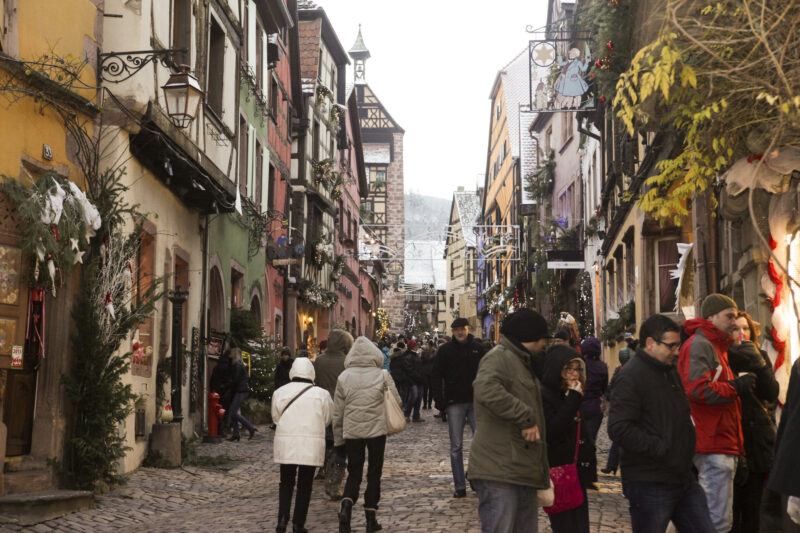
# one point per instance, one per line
(301, 412)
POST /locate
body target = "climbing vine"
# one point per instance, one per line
(726, 77)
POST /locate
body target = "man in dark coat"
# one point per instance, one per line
(650, 420)
(454, 370)
(784, 478)
(406, 368)
(282, 368)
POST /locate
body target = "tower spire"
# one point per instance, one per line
(360, 54)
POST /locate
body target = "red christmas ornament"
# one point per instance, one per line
(592, 74)
(598, 64)
(602, 99)
(610, 45)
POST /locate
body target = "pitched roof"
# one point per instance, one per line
(424, 264)
(515, 80)
(468, 206)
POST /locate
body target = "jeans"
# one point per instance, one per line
(592, 423)
(653, 505)
(355, 469)
(305, 480)
(427, 393)
(236, 416)
(715, 474)
(574, 520)
(506, 508)
(458, 414)
(411, 395)
(613, 457)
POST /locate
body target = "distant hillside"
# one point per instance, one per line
(426, 217)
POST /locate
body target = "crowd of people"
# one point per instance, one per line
(691, 414)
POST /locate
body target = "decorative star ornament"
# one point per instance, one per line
(78, 257)
(544, 54)
(73, 242)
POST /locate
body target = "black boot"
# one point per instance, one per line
(345, 512)
(283, 521)
(372, 521)
(298, 529)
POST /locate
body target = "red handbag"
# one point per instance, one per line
(567, 490)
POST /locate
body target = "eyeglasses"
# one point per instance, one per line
(572, 369)
(670, 345)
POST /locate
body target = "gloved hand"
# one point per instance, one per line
(793, 509)
(744, 384)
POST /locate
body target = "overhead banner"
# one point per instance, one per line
(565, 260)
(560, 77)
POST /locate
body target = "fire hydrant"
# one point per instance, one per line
(215, 414)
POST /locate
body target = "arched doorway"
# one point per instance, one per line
(255, 309)
(216, 301)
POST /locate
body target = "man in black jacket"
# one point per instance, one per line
(453, 372)
(650, 420)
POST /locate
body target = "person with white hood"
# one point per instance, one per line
(359, 422)
(301, 412)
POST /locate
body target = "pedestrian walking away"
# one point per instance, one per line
(714, 393)
(428, 358)
(327, 368)
(406, 368)
(758, 424)
(562, 394)
(452, 375)
(650, 420)
(612, 463)
(241, 391)
(508, 458)
(593, 405)
(359, 423)
(301, 412)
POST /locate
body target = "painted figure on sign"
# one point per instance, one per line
(571, 86)
(541, 96)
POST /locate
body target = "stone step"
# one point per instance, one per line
(32, 508)
(26, 481)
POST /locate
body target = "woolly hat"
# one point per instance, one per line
(412, 344)
(714, 303)
(561, 334)
(459, 323)
(591, 346)
(525, 325)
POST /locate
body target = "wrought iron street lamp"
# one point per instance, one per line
(182, 91)
(182, 94)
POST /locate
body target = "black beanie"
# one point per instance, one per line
(524, 325)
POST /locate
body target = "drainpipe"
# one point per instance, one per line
(203, 325)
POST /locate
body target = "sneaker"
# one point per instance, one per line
(460, 493)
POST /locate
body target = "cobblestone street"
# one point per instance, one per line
(243, 496)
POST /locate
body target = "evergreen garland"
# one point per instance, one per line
(609, 23)
(100, 400)
(58, 222)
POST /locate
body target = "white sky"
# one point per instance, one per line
(433, 65)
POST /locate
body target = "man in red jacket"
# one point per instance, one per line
(714, 392)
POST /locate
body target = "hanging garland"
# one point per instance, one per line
(58, 222)
(609, 23)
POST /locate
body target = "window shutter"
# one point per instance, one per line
(251, 35)
(251, 160)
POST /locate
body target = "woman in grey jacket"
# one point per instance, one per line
(359, 422)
